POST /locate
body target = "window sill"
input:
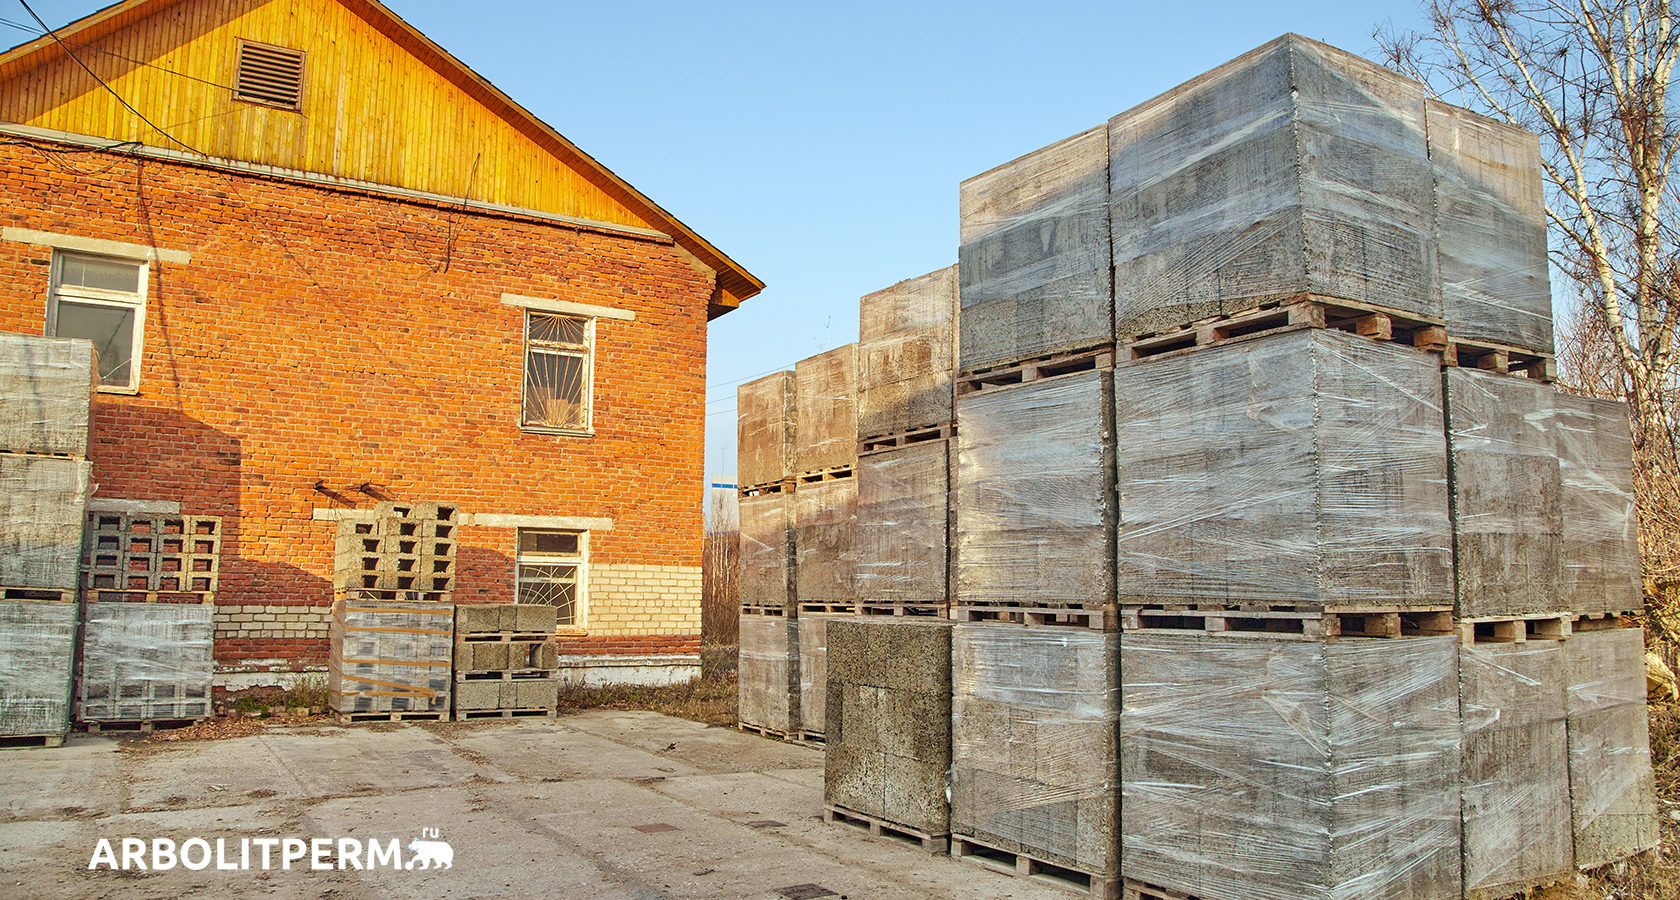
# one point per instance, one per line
(108, 389)
(566, 432)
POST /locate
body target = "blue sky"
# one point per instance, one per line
(821, 145)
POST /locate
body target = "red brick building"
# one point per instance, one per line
(359, 273)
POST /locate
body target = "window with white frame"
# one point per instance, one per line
(103, 300)
(557, 370)
(551, 571)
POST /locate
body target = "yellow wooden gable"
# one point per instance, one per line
(379, 102)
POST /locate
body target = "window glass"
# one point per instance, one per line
(531, 541)
(549, 566)
(102, 274)
(111, 328)
(556, 371)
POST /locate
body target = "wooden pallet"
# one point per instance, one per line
(143, 726)
(785, 486)
(1038, 617)
(1140, 890)
(835, 473)
(881, 828)
(842, 609)
(1598, 622)
(463, 715)
(814, 739)
(119, 595)
(1095, 359)
(1284, 624)
(504, 637)
(1515, 629)
(507, 675)
(766, 732)
(919, 610)
(1291, 314)
(902, 439)
(37, 595)
(1009, 862)
(763, 611)
(1499, 358)
(22, 741)
(395, 715)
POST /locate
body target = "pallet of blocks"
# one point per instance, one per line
(390, 659)
(398, 551)
(37, 653)
(505, 661)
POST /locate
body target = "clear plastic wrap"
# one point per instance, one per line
(825, 436)
(42, 502)
(906, 354)
(1516, 767)
(769, 672)
(1490, 223)
(767, 565)
(813, 669)
(1033, 262)
(765, 430)
(902, 525)
(146, 661)
(37, 650)
(46, 394)
(1301, 468)
(888, 741)
(1034, 743)
(1612, 786)
(1295, 168)
(1035, 500)
(825, 539)
(1507, 494)
(391, 655)
(1600, 524)
(1290, 770)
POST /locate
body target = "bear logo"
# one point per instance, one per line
(431, 854)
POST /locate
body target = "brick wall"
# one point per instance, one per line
(330, 348)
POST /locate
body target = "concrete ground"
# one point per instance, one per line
(601, 804)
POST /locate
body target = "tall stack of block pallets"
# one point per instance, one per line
(393, 628)
(46, 392)
(1281, 570)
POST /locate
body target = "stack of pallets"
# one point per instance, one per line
(505, 661)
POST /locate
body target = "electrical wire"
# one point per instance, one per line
(33, 30)
(66, 48)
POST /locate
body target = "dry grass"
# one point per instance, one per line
(710, 699)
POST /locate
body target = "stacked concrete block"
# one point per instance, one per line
(1034, 258)
(391, 659)
(1293, 169)
(1490, 227)
(903, 529)
(888, 751)
(1507, 494)
(1035, 511)
(769, 673)
(765, 430)
(150, 556)
(1611, 784)
(1035, 747)
(906, 356)
(37, 651)
(145, 662)
(401, 551)
(1307, 467)
(825, 542)
(506, 662)
(1263, 769)
(1516, 777)
(1600, 546)
(825, 397)
(768, 566)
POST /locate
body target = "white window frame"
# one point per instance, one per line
(98, 297)
(580, 581)
(584, 352)
(592, 314)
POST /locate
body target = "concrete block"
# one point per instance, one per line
(37, 651)
(769, 672)
(1303, 467)
(478, 695)
(1600, 544)
(533, 693)
(768, 567)
(826, 399)
(1611, 784)
(1295, 168)
(46, 394)
(906, 354)
(1034, 258)
(1507, 494)
(825, 538)
(489, 656)
(903, 545)
(532, 618)
(1035, 513)
(478, 618)
(42, 504)
(1517, 830)
(766, 414)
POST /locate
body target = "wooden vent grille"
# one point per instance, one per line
(269, 75)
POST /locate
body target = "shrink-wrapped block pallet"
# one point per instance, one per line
(768, 568)
(37, 651)
(146, 661)
(1296, 168)
(826, 402)
(903, 556)
(825, 540)
(769, 673)
(390, 656)
(765, 429)
(813, 670)
(1507, 494)
(42, 502)
(46, 394)
(1600, 563)
(1034, 743)
(906, 355)
(1490, 224)
(1303, 468)
(888, 748)
(1611, 784)
(1034, 258)
(1255, 769)
(1516, 767)
(1035, 510)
